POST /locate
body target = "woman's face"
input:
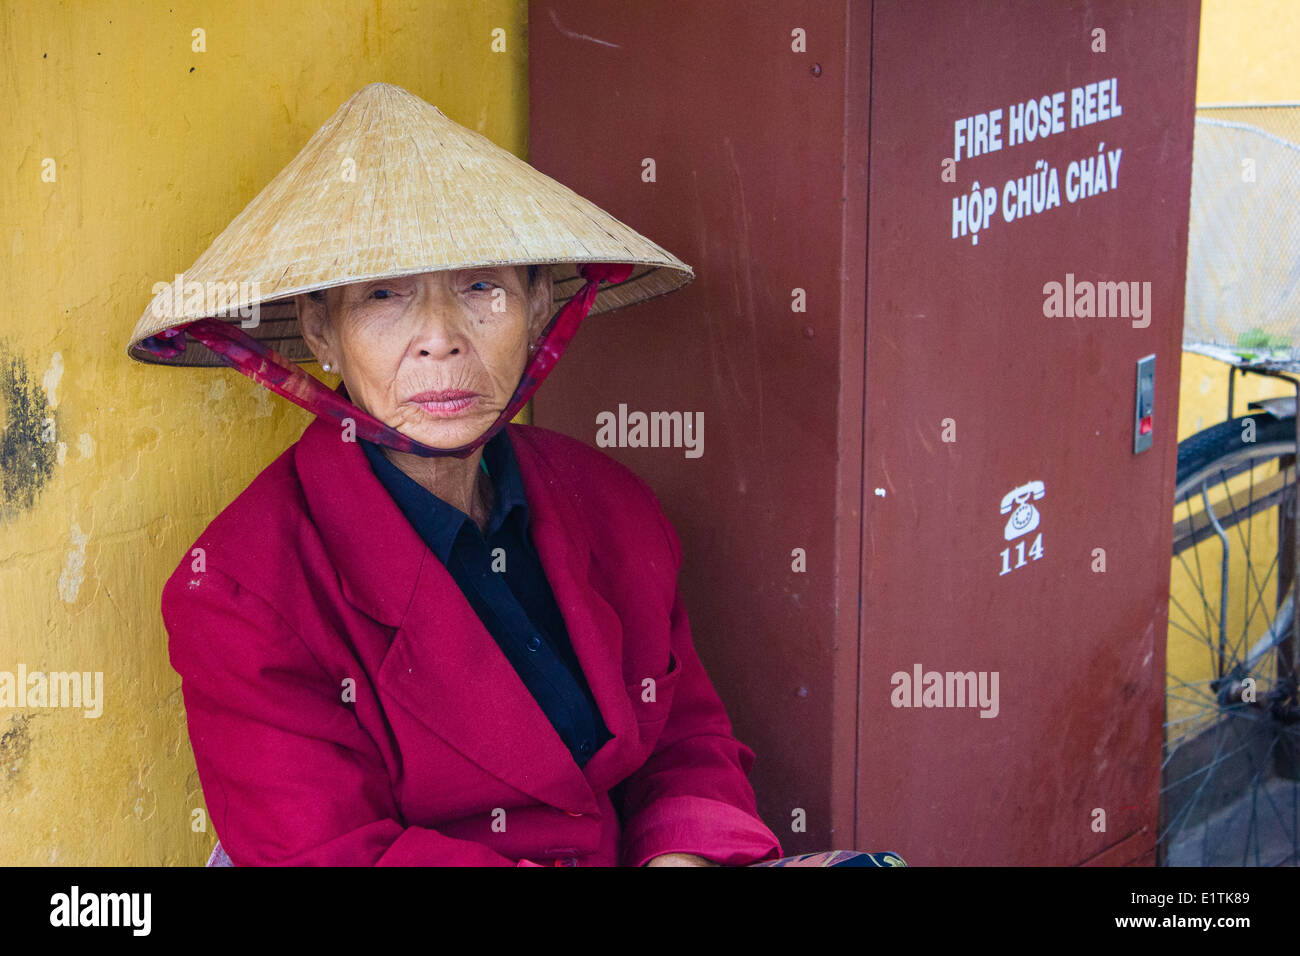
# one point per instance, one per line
(436, 355)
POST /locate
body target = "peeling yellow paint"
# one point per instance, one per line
(74, 566)
(50, 380)
(262, 403)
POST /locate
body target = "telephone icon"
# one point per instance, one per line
(1024, 516)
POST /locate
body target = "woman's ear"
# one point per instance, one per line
(312, 321)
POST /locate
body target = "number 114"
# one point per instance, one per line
(1035, 552)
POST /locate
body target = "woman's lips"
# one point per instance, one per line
(445, 403)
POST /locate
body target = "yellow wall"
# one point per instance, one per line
(156, 148)
(1249, 53)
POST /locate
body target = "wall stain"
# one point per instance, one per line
(15, 743)
(27, 444)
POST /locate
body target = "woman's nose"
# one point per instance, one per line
(439, 328)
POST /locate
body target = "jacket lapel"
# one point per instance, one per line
(446, 669)
(443, 666)
(559, 534)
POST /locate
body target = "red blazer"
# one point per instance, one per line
(347, 707)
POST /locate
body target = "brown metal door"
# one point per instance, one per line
(985, 553)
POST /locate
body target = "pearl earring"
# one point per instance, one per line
(326, 366)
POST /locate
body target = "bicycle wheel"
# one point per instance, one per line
(1229, 792)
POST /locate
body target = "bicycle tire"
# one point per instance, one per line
(1197, 452)
(1222, 453)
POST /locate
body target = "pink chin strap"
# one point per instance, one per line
(267, 367)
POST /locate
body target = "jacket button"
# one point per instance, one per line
(584, 748)
(534, 643)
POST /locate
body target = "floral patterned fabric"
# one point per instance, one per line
(837, 858)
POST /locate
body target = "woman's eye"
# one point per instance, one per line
(481, 282)
(381, 293)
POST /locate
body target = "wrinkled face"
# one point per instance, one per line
(437, 355)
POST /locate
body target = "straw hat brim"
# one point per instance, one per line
(389, 186)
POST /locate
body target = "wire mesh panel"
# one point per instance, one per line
(1243, 254)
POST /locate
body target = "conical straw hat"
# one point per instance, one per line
(390, 186)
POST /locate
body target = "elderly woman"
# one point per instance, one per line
(422, 635)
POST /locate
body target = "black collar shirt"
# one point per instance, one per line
(502, 578)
